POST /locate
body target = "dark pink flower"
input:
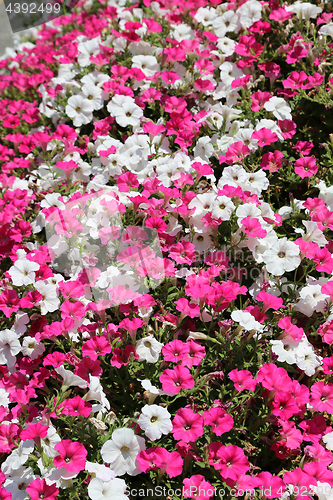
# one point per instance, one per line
(252, 228)
(231, 461)
(322, 397)
(175, 350)
(72, 456)
(271, 486)
(306, 166)
(38, 489)
(34, 431)
(195, 354)
(264, 136)
(220, 421)
(243, 380)
(96, 346)
(177, 379)
(187, 425)
(197, 487)
(76, 406)
(301, 481)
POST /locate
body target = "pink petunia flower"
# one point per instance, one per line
(187, 308)
(301, 482)
(243, 380)
(76, 406)
(231, 461)
(291, 436)
(195, 354)
(322, 397)
(197, 487)
(264, 136)
(38, 489)
(306, 166)
(96, 346)
(271, 161)
(270, 301)
(220, 421)
(34, 431)
(187, 425)
(175, 351)
(271, 486)
(173, 381)
(159, 458)
(72, 456)
(252, 228)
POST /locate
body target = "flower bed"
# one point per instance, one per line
(166, 254)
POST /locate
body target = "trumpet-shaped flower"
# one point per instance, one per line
(121, 451)
(155, 421)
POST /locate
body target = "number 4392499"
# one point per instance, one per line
(32, 8)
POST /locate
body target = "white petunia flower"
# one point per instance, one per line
(281, 258)
(121, 451)
(222, 208)
(87, 49)
(249, 13)
(306, 359)
(313, 233)
(206, 16)
(324, 491)
(147, 63)
(328, 440)
(96, 392)
(100, 471)
(18, 481)
(21, 320)
(32, 348)
(246, 320)
(155, 421)
(227, 47)
(285, 349)
(202, 203)
(50, 301)
(304, 10)
(311, 299)
(70, 379)
(80, 109)
(49, 441)
(93, 94)
(4, 397)
(18, 457)
(327, 29)
(228, 22)
(280, 109)
(115, 489)
(125, 111)
(148, 349)
(9, 347)
(23, 272)
(203, 148)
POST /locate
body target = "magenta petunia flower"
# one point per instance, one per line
(232, 461)
(306, 166)
(72, 456)
(220, 421)
(187, 425)
(175, 351)
(173, 381)
(38, 489)
(197, 487)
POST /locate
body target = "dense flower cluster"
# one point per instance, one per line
(166, 255)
